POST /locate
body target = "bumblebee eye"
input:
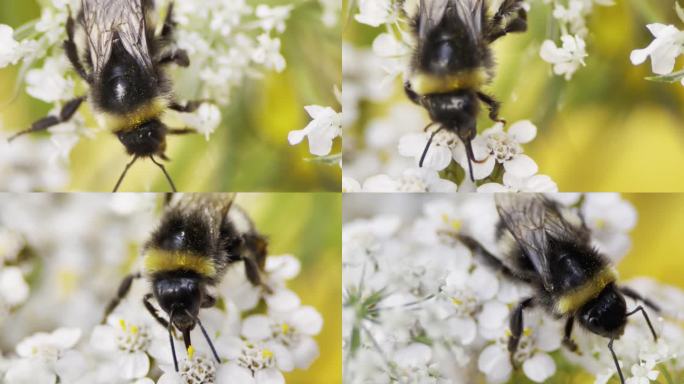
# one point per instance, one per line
(594, 321)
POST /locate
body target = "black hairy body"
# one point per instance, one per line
(113, 46)
(452, 61)
(548, 246)
(198, 238)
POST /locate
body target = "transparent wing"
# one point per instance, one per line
(467, 12)
(524, 215)
(105, 19)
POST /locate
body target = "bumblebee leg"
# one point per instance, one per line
(493, 105)
(510, 18)
(121, 293)
(188, 106)
(567, 336)
(66, 113)
(412, 95)
(169, 24)
(176, 56)
(648, 321)
(253, 273)
(209, 301)
(516, 324)
(153, 311)
(180, 131)
(629, 292)
(72, 51)
(123, 174)
(490, 260)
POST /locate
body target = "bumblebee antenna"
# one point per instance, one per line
(118, 183)
(173, 187)
(648, 321)
(427, 146)
(206, 336)
(173, 347)
(617, 364)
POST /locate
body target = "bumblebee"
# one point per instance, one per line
(199, 237)
(114, 47)
(452, 61)
(548, 246)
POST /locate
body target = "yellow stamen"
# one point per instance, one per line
(191, 352)
(456, 301)
(134, 329)
(266, 353)
(122, 323)
(285, 328)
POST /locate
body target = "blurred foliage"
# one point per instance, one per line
(248, 151)
(308, 225)
(607, 129)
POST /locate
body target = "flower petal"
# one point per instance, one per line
(539, 367)
(521, 166)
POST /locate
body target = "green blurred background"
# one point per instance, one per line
(608, 129)
(247, 152)
(308, 226)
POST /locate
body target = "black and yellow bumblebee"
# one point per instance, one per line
(113, 45)
(548, 246)
(198, 238)
(452, 61)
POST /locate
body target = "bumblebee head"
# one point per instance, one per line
(145, 139)
(605, 315)
(455, 110)
(180, 297)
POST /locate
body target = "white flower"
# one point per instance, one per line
(273, 17)
(126, 343)
(350, 185)
(412, 180)
(46, 357)
(293, 330)
(643, 373)
(267, 53)
(611, 219)
(205, 120)
(495, 145)
(50, 83)
(321, 131)
(374, 12)
(9, 48)
(438, 156)
(663, 50)
(13, 287)
(394, 53)
(331, 12)
(534, 183)
(566, 59)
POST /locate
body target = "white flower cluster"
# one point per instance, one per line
(667, 45)
(257, 334)
(227, 41)
(420, 308)
(373, 166)
(571, 16)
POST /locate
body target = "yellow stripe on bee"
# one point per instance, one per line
(575, 299)
(425, 84)
(146, 112)
(158, 260)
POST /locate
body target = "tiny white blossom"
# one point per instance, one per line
(567, 58)
(9, 48)
(374, 12)
(663, 50)
(205, 120)
(50, 83)
(321, 131)
(643, 373)
(268, 54)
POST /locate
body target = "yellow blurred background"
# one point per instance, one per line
(607, 129)
(308, 226)
(249, 151)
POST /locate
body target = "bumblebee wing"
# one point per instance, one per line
(524, 216)
(214, 206)
(106, 19)
(430, 14)
(564, 224)
(471, 12)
